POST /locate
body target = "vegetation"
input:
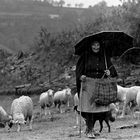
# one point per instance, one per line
(42, 36)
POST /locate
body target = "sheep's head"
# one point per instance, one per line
(50, 92)
(6, 120)
(17, 122)
(12, 122)
(68, 91)
(19, 119)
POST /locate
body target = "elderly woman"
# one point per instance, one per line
(90, 67)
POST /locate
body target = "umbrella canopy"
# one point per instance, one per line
(116, 42)
(131, 55)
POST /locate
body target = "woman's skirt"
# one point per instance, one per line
(86, 103)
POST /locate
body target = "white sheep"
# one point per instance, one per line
(21, 111)
(62, 97)
(121, 96)
(121, 93)
(46, 101)
(131, 97)
(4, 117)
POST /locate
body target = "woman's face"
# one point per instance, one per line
(95, 47)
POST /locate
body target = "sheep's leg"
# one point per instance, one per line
(6, 127)
(132, 112)
(60, 108)
(41, 112)
(68, 103)
(51, 116)
(30, 122)
(30, 125)
(19, 127)
(77, 118)
(101, 125)
(107, 122)
(124, 109)
(57, 105)
(45, 111)
(50, 113)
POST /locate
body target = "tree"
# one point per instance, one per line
(61, 3)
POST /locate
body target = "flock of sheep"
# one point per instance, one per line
(22, 108)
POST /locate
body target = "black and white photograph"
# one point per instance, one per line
(69, 69)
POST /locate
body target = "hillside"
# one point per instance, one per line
(41, 38)
(21, 24)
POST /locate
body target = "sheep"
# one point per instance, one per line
(62, 97)
(46, 101)
(5, 118)
(132, 96)
(21, 110)
(121, 93)
(121, 96)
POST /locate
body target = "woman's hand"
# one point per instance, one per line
(107, 72)
(83, 78)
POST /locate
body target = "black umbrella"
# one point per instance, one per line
(116, 42)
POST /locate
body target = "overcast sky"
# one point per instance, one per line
(92, 2)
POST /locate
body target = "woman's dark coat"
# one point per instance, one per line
(93, 65)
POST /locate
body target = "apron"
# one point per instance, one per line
(87, 96)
